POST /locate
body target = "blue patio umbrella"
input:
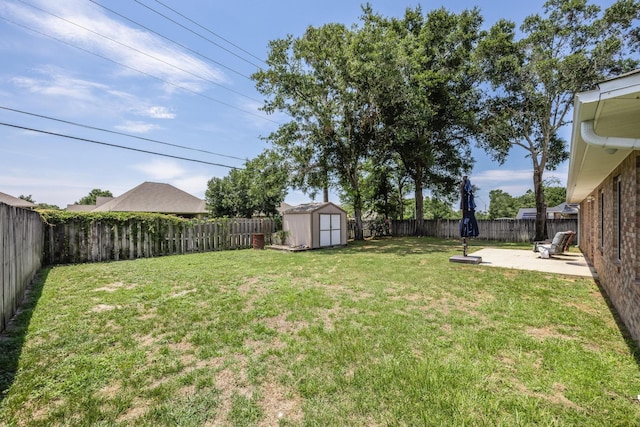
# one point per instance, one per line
(468, 224)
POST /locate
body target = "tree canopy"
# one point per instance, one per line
(258, 189)
(536, 76)
(504, 205)
(392, 90)
(90, 199)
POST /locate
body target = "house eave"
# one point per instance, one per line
(605, 131)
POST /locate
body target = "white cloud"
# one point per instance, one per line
(82, 24)
(137, 127)
(58, 84)
(161, 169)
(196, 184)
(501, 175)
(160, 113)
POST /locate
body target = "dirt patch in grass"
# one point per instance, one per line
(556, 396)
(138, 409)
(280, 404)
(113, 287)
(280, 324)
(104, 307)
(182, 293)
(546, 333)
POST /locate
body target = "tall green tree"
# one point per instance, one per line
(90, 199)
(318, 81)
(536, 75)
(258, 189)
(502, 205)
(385, 187)
(427, 93)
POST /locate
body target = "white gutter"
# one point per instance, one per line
(590, 136)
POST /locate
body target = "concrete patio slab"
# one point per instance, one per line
(571, 263)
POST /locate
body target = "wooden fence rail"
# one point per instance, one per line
(77, 242)
(499, 230)
(21, 248)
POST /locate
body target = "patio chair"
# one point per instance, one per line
(559, 244)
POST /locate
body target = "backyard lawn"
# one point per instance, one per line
(383, 332)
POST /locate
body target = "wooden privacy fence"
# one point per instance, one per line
(21, 247)
(508, 230)
(77, 242)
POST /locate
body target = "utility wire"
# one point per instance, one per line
(211, 32)
(138, 51)
(119, 133)
(115, 145)
(197, 34)
(213, 61)
(139, 71)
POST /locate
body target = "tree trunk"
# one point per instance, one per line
(541, 206)
(419, 201)
(357, 213)
(325, 194)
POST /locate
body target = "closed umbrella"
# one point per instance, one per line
(468, 224)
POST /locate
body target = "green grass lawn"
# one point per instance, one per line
(385, 332)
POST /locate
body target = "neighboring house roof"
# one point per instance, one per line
(283, 208)
(80, 208)
(605, 131)
(309, 207)
(15, 201)
(562, 208)
(154, 197)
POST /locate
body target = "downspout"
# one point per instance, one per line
(612, 143)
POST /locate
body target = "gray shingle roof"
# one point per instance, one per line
(157, 198)
(15, 201)
(309, 207)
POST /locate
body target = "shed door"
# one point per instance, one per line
(329, 229)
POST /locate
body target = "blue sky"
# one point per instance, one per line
(136, 72)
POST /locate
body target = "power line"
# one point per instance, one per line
(139, 71)
(119, 133)
(138, 51)
(213, 61)
(115, 145)
(197, 34)
(211, 32)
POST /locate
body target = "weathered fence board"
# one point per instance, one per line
(499, 230)
(76, 243)
(21, 249)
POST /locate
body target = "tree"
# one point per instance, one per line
(318, 80)
(439, 209)
(269, 182)
(501, 205)
(555, 195)
(536, 78)
(504, 205)
(427, 95)
(28, 198)
(385, 187)
(259, 188)
(90, 199)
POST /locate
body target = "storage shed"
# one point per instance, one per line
(315, 225)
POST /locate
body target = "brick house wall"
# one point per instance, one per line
(609, 237)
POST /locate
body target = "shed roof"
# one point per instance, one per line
(310, 207)
(155, 197)
(15, 201)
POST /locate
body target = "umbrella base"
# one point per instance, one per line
(466, 259)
